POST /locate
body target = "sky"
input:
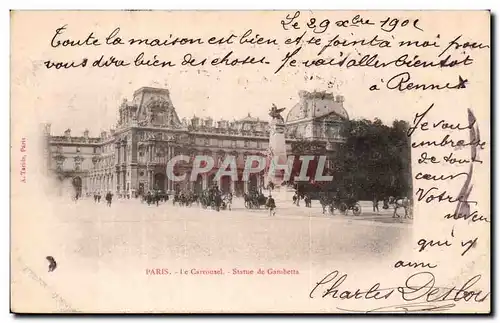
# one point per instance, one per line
(221, 100)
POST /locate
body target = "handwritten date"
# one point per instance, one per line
(319, 26)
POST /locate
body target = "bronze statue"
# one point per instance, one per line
(275, 113)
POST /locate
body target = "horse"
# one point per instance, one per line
(228, 200)
(216, 201)
(176, 199)
(326, 201)
(403, 202)
(248, 200)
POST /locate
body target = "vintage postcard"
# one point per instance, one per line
(250, 162)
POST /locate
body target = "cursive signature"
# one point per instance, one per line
(419, 290)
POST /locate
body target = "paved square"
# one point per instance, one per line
(131, 229)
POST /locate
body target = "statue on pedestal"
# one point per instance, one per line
(275, 113)
(277, 146)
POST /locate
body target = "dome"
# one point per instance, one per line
(317, 105)
(249, 118)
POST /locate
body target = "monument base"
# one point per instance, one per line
(277, 150)
(280, 193)
(277, 153)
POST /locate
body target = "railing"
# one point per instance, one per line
(228, 131)
(82, 140)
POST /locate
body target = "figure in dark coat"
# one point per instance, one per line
(271, 205)
(109, 198)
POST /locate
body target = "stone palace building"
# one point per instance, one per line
(132, 158)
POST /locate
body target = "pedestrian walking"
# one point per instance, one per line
(375, 203)
(109, 198)
(157, 198)
(271, 205)
(307, 200)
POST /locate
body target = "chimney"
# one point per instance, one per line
(339, 99)
(86, 134)
(46, 129)
(195, 121)
(112, 132)
(67, 133)
(208, 122)
(103, 134)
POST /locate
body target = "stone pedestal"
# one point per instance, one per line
(277, 152)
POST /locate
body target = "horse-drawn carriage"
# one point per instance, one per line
(254, 200)
(330, 202)
(184, 198)
(162, 196)
(154, 197)
(214, 199)
(331, 197)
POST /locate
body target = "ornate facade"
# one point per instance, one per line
(132, 157)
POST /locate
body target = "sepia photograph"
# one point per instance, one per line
(364, 162)
(250, 162)
(355, 172)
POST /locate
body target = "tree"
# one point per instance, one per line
(375, 159)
